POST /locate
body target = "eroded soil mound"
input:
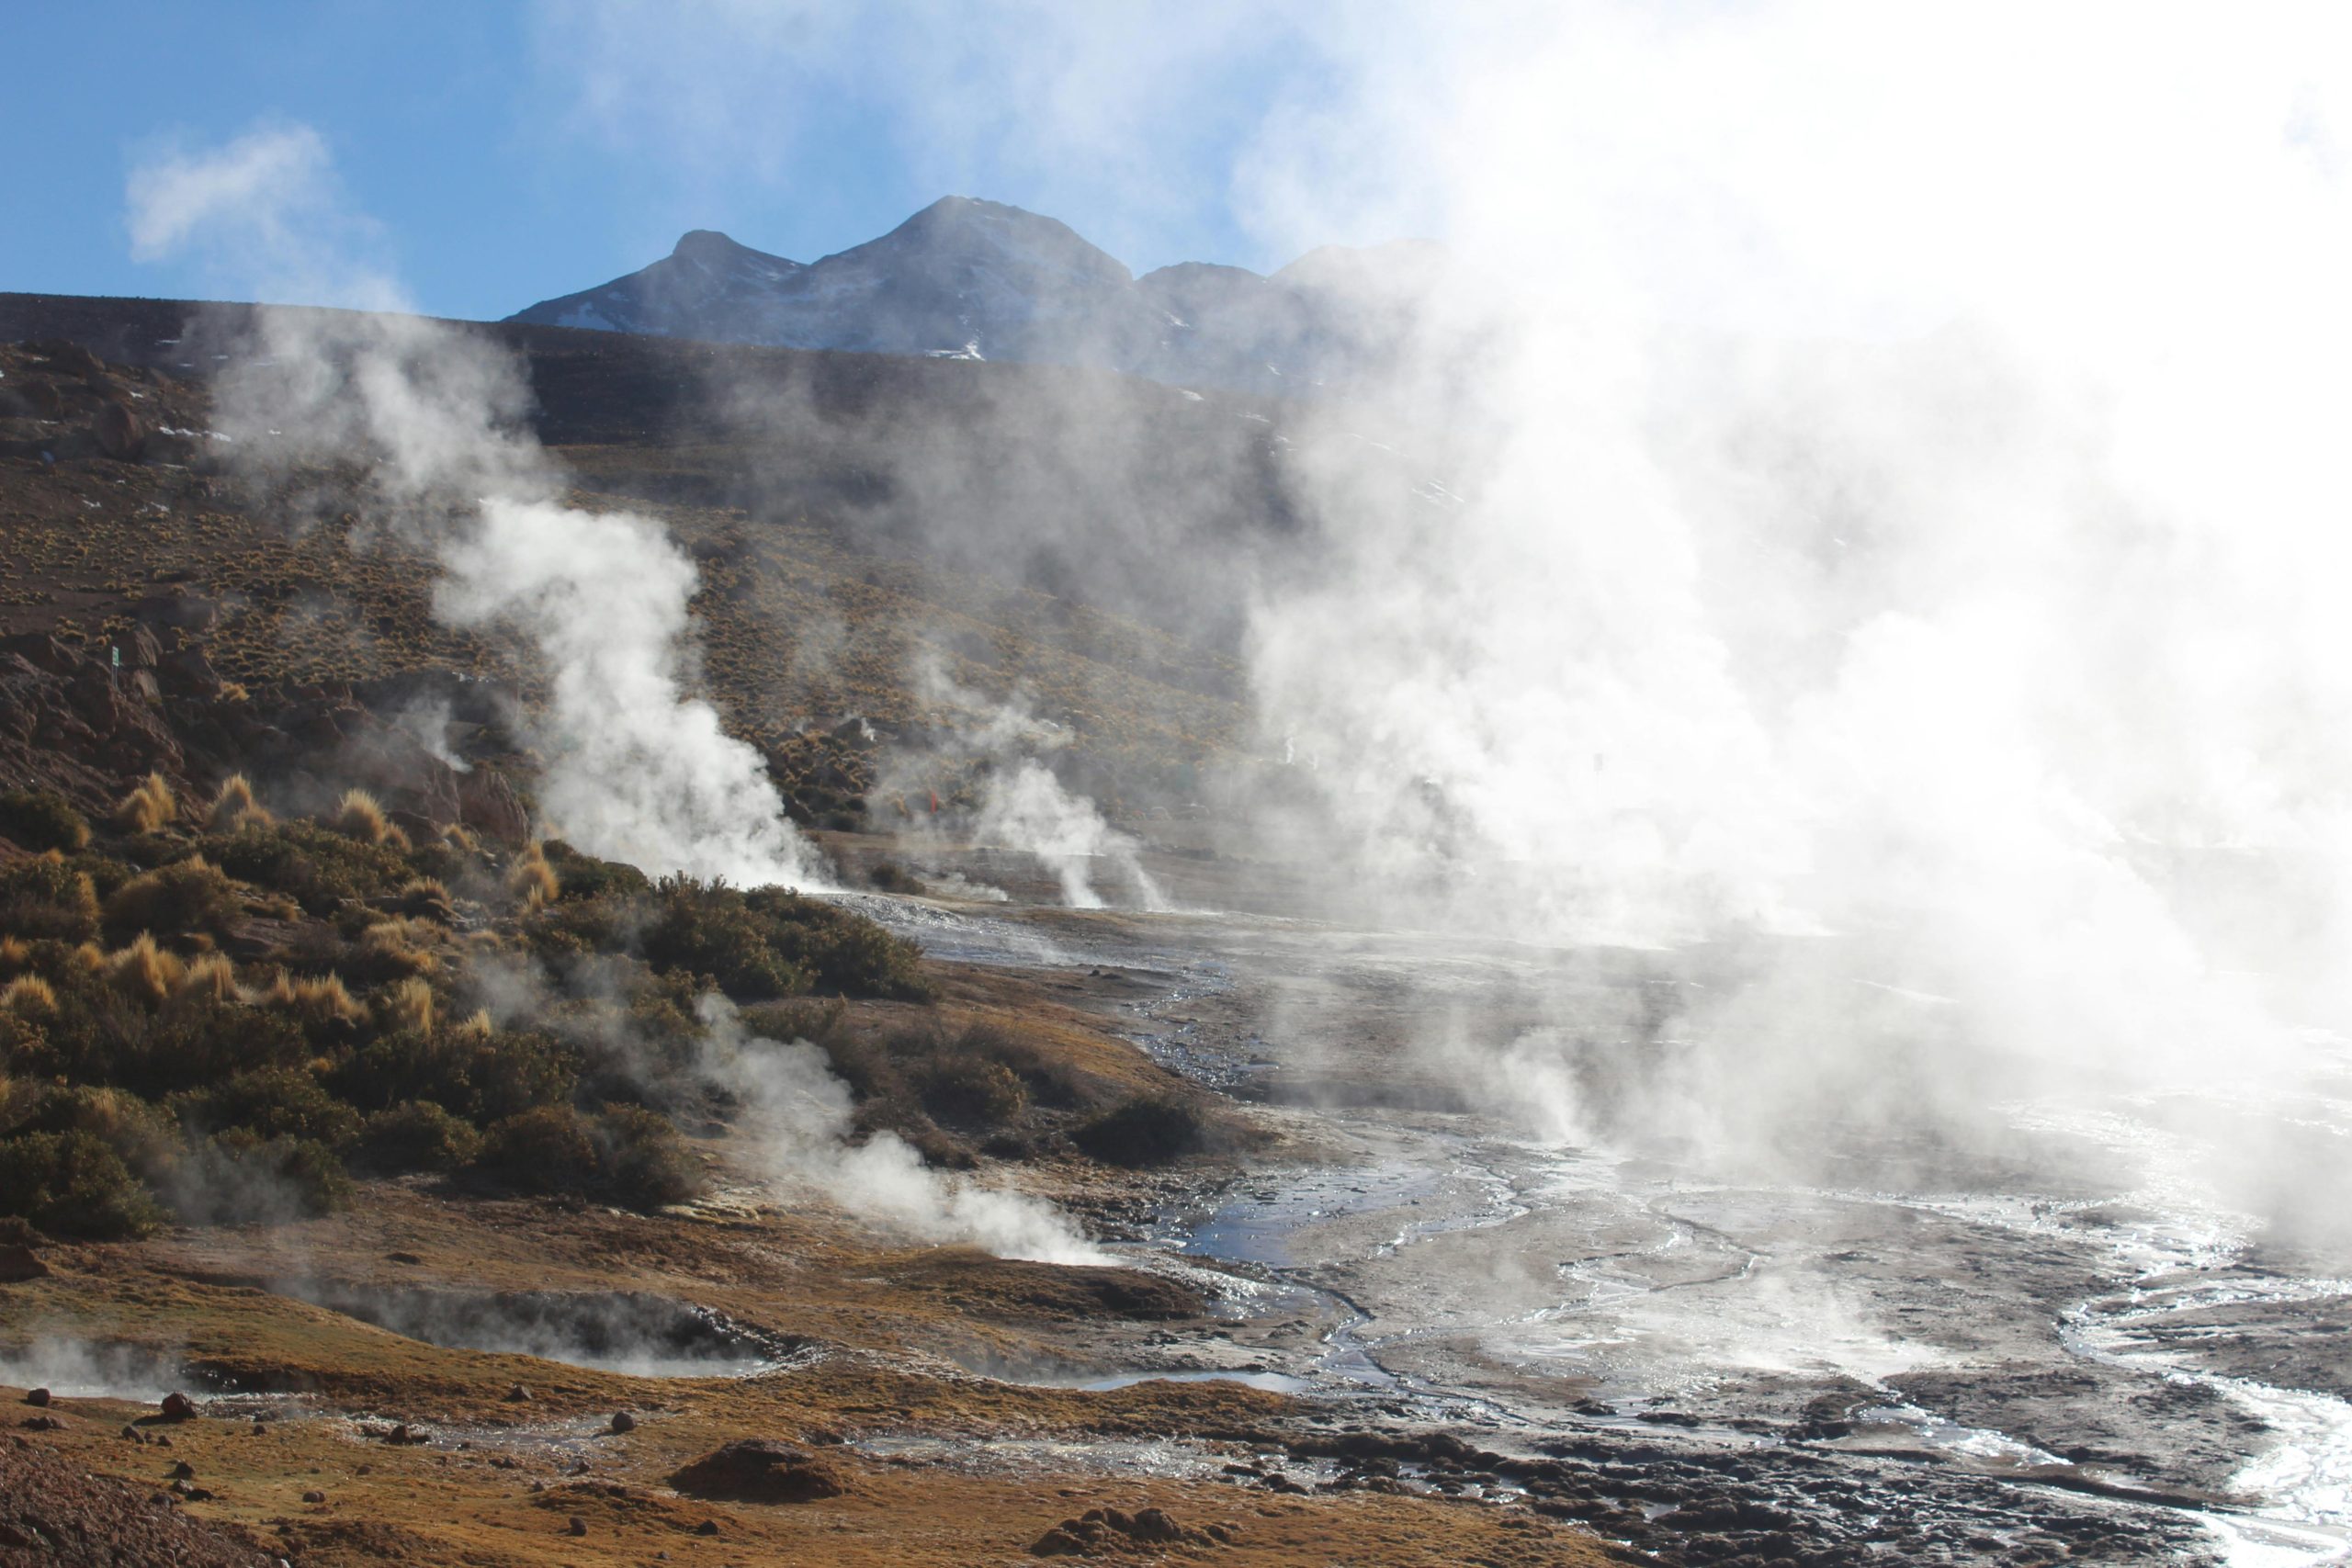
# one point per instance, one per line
(760, 1469)
(55, 1514)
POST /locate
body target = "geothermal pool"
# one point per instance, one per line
(2071, 1321)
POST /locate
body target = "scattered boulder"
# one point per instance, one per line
(578, 1526)
(622, 1422)
(43, 1424)
(314, 1496)
(518, 1394)
(38, 1399)
(760, 1469)
(178, 1407)
(121, 433)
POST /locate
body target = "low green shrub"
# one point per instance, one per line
(770, 942)
(642, 1159)
(191, 895)
(550, 1148)
(240, 1178)
(42, 819)
(72, 1184)
(315, 866)
(272, 1102)
(585, 876)
(415, 1135)
(42, 899)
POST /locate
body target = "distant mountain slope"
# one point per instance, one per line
(981, 280)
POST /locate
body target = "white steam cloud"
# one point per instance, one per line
(1871, 470)
(804, 1114)
(635, 769)
(1023, 806)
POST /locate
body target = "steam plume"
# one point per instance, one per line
(635, 769)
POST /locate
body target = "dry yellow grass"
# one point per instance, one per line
(427, 898)
(314, 998)
(144, 972)
(235, 807)
(407, 1005)
(531, 879)
(15, 952)
(211, 977)
(359, 814)
(150, 808)
(474, 1027)
(29, 994)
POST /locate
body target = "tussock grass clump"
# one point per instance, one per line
(395, 949)
(359, 814)
(42, 899)
(209, 976)
(150, 808)
(29, 994)
(473, 1028)
(531, 880)
(42, 819)
(14, 953)
(407, 1005)
(315, 1002)
(145, 972)
(191, 895)
(234, 807)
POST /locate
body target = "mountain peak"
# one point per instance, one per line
(969, 278)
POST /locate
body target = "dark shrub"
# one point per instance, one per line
(846, 951)
(240, 1178)
(704, 928)
(42, 819)
(316, 867)
(575, 927)
(518, 1070)
(70, 1184)
(272, 1102)
(549, 1149)
(141, 1135)
(585, 876)
(191, 895)
(202, 1039)
(42, 897)
(772, 942)
(970, 1093)
(644, 1159)
(416, 1135)
(482, 1079)
(1146, 1131)
(889, 877)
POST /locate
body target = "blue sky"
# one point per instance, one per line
(507, 153)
